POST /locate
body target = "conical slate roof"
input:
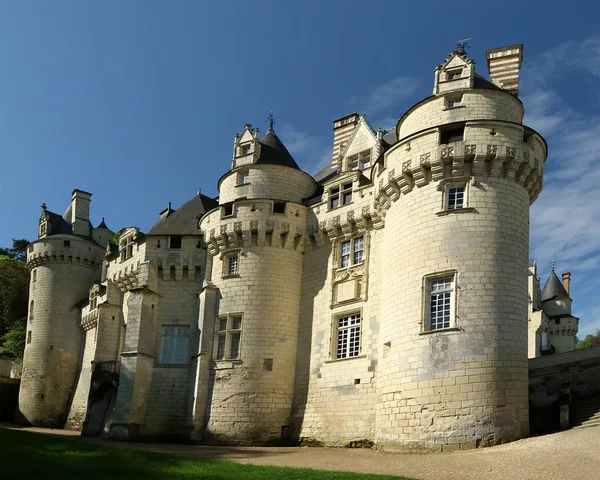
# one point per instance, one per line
(553, 288)
(273, 152)
(103, 224)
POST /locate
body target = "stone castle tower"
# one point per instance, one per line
(384, 300)
(64, 261)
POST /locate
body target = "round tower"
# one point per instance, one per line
(63, 268)
(456, 191)
(255, 241)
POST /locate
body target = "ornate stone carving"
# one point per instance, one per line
(270, 226)
(322, 225)
(336, 221)
(425, 159)
(285, 227)
(492, 149)
(237, 226)
(212, 233)
(253, 225)
(406, 166)
(224, 228)
(350, 216)
(470, 149)
(510, 152)
(392, 173)
(366, 211)
(447, 152)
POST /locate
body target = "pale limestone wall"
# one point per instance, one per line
(268, 181)
(478, 104)
(335, 399)
(52, 359)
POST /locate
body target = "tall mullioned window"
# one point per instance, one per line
(229, 336)
(232, 264)
(360, 161)
(175, 343)
(352, 252)
(347, 342)
(340, 195)
(441, 302)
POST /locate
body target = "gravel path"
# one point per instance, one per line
(573, 454)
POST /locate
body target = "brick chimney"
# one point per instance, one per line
(504, 64)
(80, 212)
(567, 282)
(342, 130)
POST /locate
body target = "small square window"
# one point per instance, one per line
(66, 243)
(347, 336)
(175, 343)
(228, 210)
(245, 149)
(359, 161)
(454, 75)
(340, 195)
(175, 241)
(451, 135)
(229, 336)
(278, 207)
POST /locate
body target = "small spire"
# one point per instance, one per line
(44, 206)
(271, 121)
(199, 191)
(552, 266)
(169, 206)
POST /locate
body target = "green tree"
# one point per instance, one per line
(14, 339)
(18, 251)
(590, 341)
(14, 285)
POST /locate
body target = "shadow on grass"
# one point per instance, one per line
(26, 455)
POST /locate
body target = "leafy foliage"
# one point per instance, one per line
(590, 341)
(14, 285)
(14, 340)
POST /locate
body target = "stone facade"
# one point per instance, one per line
(384, 301)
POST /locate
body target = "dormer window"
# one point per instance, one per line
(245, 149)
(454, 74)
(360, 161)
(42, 229)
(453, 102)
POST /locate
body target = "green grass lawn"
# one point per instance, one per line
(31, 456)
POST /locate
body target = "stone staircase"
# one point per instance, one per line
(586, 413)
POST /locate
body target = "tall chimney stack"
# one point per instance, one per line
(504, 64)
(342, 130)
(567, 282)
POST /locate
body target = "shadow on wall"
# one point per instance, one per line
(315, 265)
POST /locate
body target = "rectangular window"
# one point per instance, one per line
(232, 264)
(440, 302)
(455, 198)
(66, 243)
(175, 343)
(244, 149)
(229, 335)
(340, 195)
(228, 210)
(454, 75)
(347, 336)
(33, 275)
(451, 135)
(278, 207)
(29, 336)
(243, 177)
(352, 252)
(175, 242)
(453, 102)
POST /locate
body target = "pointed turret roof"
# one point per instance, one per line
(184, 220)
(553, 288)
(103, 224)
(273, 151)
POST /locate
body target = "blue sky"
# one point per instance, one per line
(138, 101)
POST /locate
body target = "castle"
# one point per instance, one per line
(383, 301)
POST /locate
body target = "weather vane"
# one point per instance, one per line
(462, 45)
(270, 120)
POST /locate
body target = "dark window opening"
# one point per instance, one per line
(228, 210)
(452, 135)
(175, 242)
(66, 243)
(279, 207)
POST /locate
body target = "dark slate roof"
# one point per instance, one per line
(273, 152)
(553, 288)
(480, 82)
(103, 224)
(184, 220)
(58, 224)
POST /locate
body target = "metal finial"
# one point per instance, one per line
(462, 45)
(44, 206)
(552, 266)
(270, 120)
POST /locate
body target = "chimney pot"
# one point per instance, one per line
(503, 65)
(567, 281)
